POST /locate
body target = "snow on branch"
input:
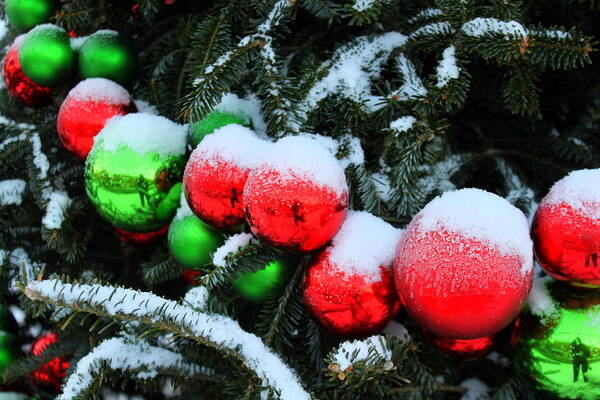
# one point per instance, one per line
(22, 267)
(216, 331)
(364, 5)
(540, 302)
(447, 68)
(371, 350)
(403, 124)
(481, 27)
(55, 210)
(117, 354)
(11, 191)
(425, 15)
(517, 190)
(436, 28)
(412, 87)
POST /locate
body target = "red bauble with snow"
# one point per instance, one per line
(349, 288)
(216, 174)
(51, 375)
(297, 198)
(19, 85)
(566, 229)
(464, 266)
(85, 111)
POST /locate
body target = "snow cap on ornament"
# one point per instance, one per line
(216, 174)
(349, 288)
(297, 197)
(464, 265)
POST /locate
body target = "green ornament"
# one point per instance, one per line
(46, 55)
(257, 286)
(25, 14)
(134, 189)
(211, 123)
(192, 242)
(106, 55)
(560, 354)
(9, 346)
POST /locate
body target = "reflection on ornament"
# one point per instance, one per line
(141, 239)
(105, 54)
(51, 374)
(257, 286)
(462, 349)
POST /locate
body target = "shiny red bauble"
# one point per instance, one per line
(85, 111)
(142, 239)
(216, 174)
(19, 85)
(462, 349)
(51, 374)
(189, 276)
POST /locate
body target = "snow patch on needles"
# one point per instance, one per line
(372, 348)
(363, 5)
(197, 297)
(23, 264)
(55, 210)
(347, 144)
(3, 28)
(412, 87)
(11, 192)
(397, 329)
(403, 124)
(480, 27)
(540, 302)
(476, 390)
(100, 90)
(580, 190)
(425, 14)
(231, 246)
(437, 28)
(439, 174)
(220, 331)
(248, 109)
(447, 68)
(184, 209)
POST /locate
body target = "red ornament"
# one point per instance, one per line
(85, 111)
(19, 85)
(51, 374)
(141, 239)
(462, 349)
(566, 229)
(298, 197)
(189, 276)
(216, 174)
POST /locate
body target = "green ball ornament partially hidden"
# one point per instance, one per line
(212, 122)
(25, 14)
(257, 286)
(192, 242)
(9, 346)
(105, 54)
(46, 56)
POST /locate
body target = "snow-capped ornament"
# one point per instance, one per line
(349, 288)
(297, 196)
(212, 122)
(105, 54)
(25, 14)
(49, 376)
(216, 174)
(464, 266)
(133, 172)
(192, 242)
(558, 345)
(566, 229)
(85, 111)
(143, 238)
(18, 84)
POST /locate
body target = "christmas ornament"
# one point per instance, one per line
(349, 288)
(259, 285)
(132, 172)
(296, 198)
(51, 374)
(25, 14)
(558, 347)
(463, 268)
(141, 239)
(212, 122)
(216, 173)
(18, 84)
(105, 54)
(192, 242)
(566, 229)
(85, 111)
(462, 349)
(9, 343)
(46, 55)
(189, 276)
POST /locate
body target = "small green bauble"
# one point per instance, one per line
(192, 242)
(25, 14)
(46, 56)
(9, 346)
(106, 55)
(257, 286)
(212, 122)
(560, 355)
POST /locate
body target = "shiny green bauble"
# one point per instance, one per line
(192, 242)
(9, 350)
(46, 56)
(560, 355)
(106, 55)
(257, 286)
(212, 122)
(25, 14)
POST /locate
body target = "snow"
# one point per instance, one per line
(3, 28)
(77, 42)
(397, 329)
(436, 28)
(540, 302)
(55, 210)
(351, 352)
(517, 190)
(476, 390)
(439, 174)
(248, 109)
(145, 107)
(347, 144)
(483, 216)
(143, 133)
(480, 27)
(412, 87)
(217, 330)
(382, 185)
(232, 143)
(447, 68)
(425, 14)
(39, 158)
(197, 298)
(11, 191)
(363, 245)
(44, 27)
(184, 209)
(301, 156)
(23, 265)
(231, 246)
(363, 5)
(18, 314)
(13, 396)
(100, 90)
(580, 190)
(499, 359)
(403, 124)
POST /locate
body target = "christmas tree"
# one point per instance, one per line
(257, 199)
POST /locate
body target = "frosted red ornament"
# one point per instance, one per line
(143, 238)
(297, 197)
(566, 229)
(216, 174)
(19, 85)
(85, 111)
(51, 374)
(464, 266)
(349, 288)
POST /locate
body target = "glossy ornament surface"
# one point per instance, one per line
(257, 286)
(189, 276)
(560, 354)
(51, 375)
(25, 14)
(9, 350)
(142, 239)
(212, 122)
(192, 242)
(19, 85)
(105, 54)
(462, 349)
(85, 111)
(46, 55)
